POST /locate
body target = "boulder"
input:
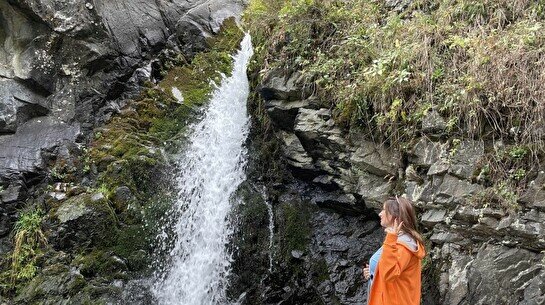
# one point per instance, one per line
(453, 191)
(296, 156)
(374, 190)
(499, 275)
(276, 85)
(83, 221)
(19, 104)
(55, 282)
(425, 152)
(433, 124)
(465, 158)
(534, 197)
(432, 217)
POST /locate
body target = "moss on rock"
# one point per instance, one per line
(129, 148)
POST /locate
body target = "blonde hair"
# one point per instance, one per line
(402, 209)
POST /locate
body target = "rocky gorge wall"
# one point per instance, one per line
(366, 99)
(478, 253)
(87, 110)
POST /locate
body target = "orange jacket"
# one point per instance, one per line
(397, 279)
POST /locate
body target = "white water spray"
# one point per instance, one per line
(210, 172)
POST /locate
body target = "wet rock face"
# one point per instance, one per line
(82, 222)
(66, 60)
(317, 254)
(67, 66)
(473, 247)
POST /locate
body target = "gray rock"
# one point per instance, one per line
(344, 244)
(433, 124)
(22, 152)
(123, 194)
(433, 217)
(453, 191)
(398, 5)
(13, 193)
(445, 237)
(326, 182)
(455, 283)
(425, 152)
(133, 24)
(297, 254)
(375, 159)
(374, 190)
(19, 104)
(534, 197)
(498, 272)
(296, 155)
(464, 162)
(82, 221)
(422, 191)
(64, 58)
(438, 168)
(472, 215)
(283, 113)
(56, 196)
(278, 86)
(55, 281)
(318, 134)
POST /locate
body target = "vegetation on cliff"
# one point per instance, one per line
(383, 66)
(123, 164)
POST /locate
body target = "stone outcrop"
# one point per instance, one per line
(67, 60)
(480, 252)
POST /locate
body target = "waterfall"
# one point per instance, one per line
(210, 171)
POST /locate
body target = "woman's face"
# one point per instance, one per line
(386, 220)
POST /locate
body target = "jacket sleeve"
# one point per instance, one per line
(394, 258)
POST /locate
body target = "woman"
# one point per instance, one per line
(394, 270)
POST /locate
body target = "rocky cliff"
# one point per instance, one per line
(84, 118)
(484, 236)
(473, 249)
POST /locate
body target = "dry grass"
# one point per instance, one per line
(478, 63)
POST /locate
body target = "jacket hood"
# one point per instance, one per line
(415, 247)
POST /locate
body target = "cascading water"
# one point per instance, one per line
(211, 170)
(271, 226)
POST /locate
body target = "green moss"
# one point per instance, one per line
(320, 271)
(128, 148)
(130, 240)
(98, 263)
(296, 234)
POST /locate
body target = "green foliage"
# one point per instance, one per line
(477, 63)
(518, 174)
(29, 240)
(448, 54)
(502, 195)
(518, 152)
